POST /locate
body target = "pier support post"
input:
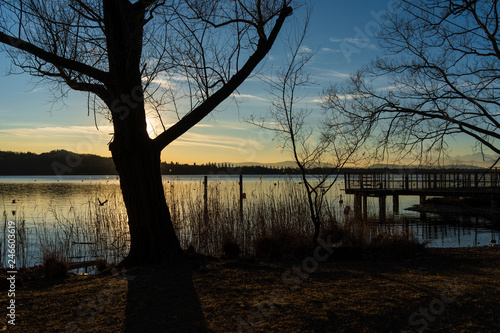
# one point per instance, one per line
(395, 204)
(381, 207)
(365, 207)
(423, 216)
(357, 205)
(495, 201)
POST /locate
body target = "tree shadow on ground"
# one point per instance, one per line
(163, 299)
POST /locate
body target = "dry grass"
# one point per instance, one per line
(339, 296)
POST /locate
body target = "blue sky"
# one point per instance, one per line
(340, 31)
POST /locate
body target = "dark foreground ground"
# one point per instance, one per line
(445, 290)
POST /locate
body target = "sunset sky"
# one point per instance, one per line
(30, 121)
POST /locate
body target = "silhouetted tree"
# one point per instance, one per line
(440, 77)
(319, 149)
(185, 54)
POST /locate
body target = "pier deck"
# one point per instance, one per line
(421, 182)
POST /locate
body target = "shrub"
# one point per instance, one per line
(230, 249)
(268, 247)
(55, 266)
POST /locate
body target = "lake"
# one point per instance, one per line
(69, 208)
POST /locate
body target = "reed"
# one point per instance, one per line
(83, 232)
(274, 221)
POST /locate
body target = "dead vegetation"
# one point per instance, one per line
(445, 290)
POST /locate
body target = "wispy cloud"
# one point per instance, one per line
(222, 142)
(318, 100)
(80, 139)
(329, 50)
(389, 88)
(53, 132)
(186, 143)
(169, 81)
(72, 135)
(270, 57)
(325, 99)
(363, 43)
(232, 125)
(306, 49)
(331, 73)
(249, 97)
(349, 40)
(165, 83)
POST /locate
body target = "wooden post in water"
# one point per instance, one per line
(357, 205)
(365, 207)
(241, 197)
(395, 204)
(381, 207)
(205, 198)
(423, 216)
(422, 199)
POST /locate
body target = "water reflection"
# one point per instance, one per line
(34, 199)
(453, 231)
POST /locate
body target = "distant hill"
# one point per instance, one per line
(275, 165)
(397, 166)
(56, 162)
(63, 162)
(471, 161)
(285, 164)
(474, 160)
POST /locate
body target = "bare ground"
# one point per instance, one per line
(444, 290)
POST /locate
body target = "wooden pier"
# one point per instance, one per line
(419, 182)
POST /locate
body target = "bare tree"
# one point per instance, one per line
(440, 78)
(118, 50)
(321, 148)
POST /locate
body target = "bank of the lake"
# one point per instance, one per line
(445, 290)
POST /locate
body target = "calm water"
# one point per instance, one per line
(38, 199)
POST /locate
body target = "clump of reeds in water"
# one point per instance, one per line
(98, 231)
(21, 241)
(84, 232)
(273, 220)
(269, 211)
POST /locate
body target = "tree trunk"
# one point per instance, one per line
(314, 212)
(152, 235)
(137, 159)
(317, 230)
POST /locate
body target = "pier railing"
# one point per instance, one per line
(408, 180)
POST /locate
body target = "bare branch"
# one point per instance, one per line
(54, 59)
(227, 89)
(440, 78)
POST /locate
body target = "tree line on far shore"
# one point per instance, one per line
(56, 163)
(63, 162)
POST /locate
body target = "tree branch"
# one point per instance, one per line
(218, 97)
(54, 59)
